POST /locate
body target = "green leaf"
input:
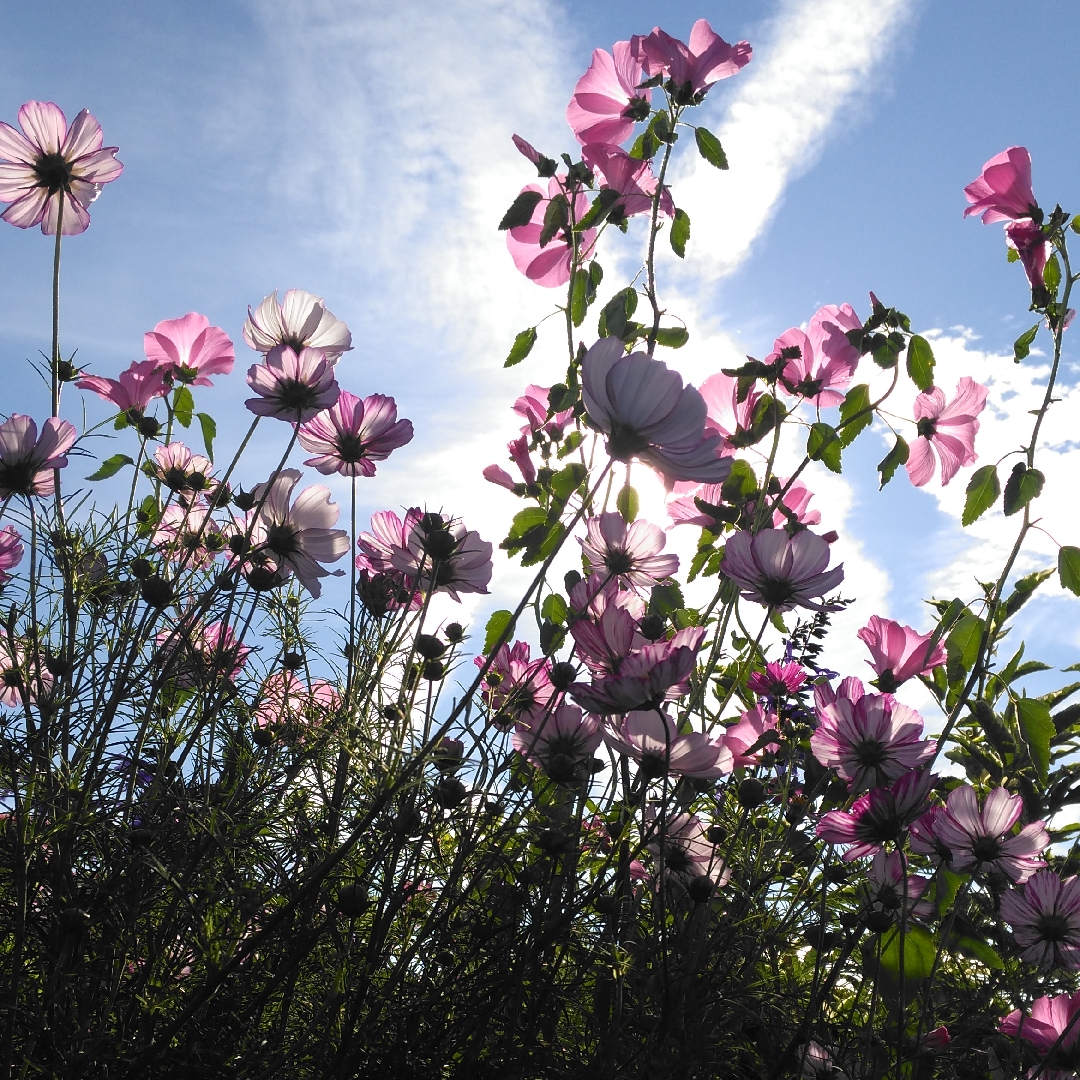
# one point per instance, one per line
(855, 410)
(982, 492)
(823, 444)
(568, 479)
(521, 210)
(710, 149)
(617, 311)
(1037, 729)
(645, 147)
(579, 303)
(183, 406)
(666, 598)
(1052, 273)
(920, 362)
(209, 433)
(1022, 345)
(920, 950)
(1023, 485)
(963, 642)
(496, 627)
(1075, 224)
(979, 950)
(1023, 589)
(555, 610)
(556, 218)
(527, 519)
(674, 337)
(1069, 569)
(680, 232)
(110, 467)
(521, 348)
(627, 503)
(896, 457)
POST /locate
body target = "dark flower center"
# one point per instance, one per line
(888, 897)
(17, 477)
(625, 442)
(53, 172)
(775, 591)
(1052, 927)
(677, 859)
(870, 753)
(295, 395)
(281, 539)
(350, 447)
(12, 677)
(927, 426)
(986, 848)
(886, 826)
(175, 478)
(619, 562)
(294, 343)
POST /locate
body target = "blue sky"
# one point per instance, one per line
(361, 150)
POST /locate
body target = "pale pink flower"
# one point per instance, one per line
(549, 265)
(692, 67)
(189, 535)
(175, 466)
(381, 586)
(630, 552)
(726, 414)
(647, 413)
(143, 381)
(1050, 1019)
(593, 595)
(18, 674)
(1028, 241)
(533, 406)
(850, 688)
(949, 430)
(11, 551)
(204, 654)
(884, 888)
(284, 701)
(1003, 190)
(441, 555)
(607, 102)
(684, 852)
(605, 640)
(291, 386)
(1045, 917)
(983, 839)
(517, 687)
(826, 360)
(742, 737)
(298, 538)
(870, 740)
(299, 322)
(50, 162)
(878, 817)
(27, 461)
(350, 436)
(190, 349)
(898, 652)
(630, 178)
(560, 742)
(519, 453)
(925, 839)
(652, 738)
(781, 571)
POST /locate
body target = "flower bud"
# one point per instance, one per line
(652, 627)
(429, 646)
(751, 793)
(449, 792)
(700, 889)
(149, 428)
(434, 670)
(141, 568)
(562, 675)
(292, 661)
(454, 632)
(157, 592)
(352, 900)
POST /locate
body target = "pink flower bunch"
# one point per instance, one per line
(136, 387)
(298, 322)
(631, 179)
(825, 359)
(652, 738)
(885, 890)
(11, 552)
(685, 508)
(350, 436)
(560, 742)
(49, 164)
(187, 534)
(518, 688)
(630, 553)
(1051, 1019)
(175, 466)
(947, 430)
(519, 454)
(550, 264)
(781, 571)
(386, 584)
(694, 66)
(1045, 917)
(27, 461)
(898, 653)
(190, 349)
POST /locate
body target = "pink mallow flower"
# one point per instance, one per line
(898, 652)
(49, 163)
(686, 509)
(1050, 1019)
(143, 381)
(1028, 241)
(519, 454)
(727, 415)
(350, 436)
(533, 407)
(516, 687)
(746, 739)
(947, 430)
(1003, 190)
(11, 552)
(292, 386)
(549, 265)
(607, 102)
(190, 349)
(629, 552)
(884, 888)
(983, 839)
(27, 461)
(652, 738)
(781, 571)
(692, 67)
(631, 178)
(826, 360)
(647, 412)
(870, 739)
(299, 321)
(560, 742)
(1045, 917)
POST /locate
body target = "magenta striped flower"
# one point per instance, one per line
(292, 386)
(559, 742)
(11, 551)
(1045, 917)
(350, 436)
(898, 652)
(1050, 1019)
(143, 381)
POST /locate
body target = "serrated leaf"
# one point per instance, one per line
(521, 348)
(920, 951)
(627, 503)
(855, 410)
(579, 303)
(1022, 345)
(962, 644)
(110, 467)
(979, 950)
(1023, 485)
(1023, 590)
(617, 312)
(1038, 729)
(209, 433)
(982, 492)
(183, 406)
(710, 149)
(674, 337)
(555, 609)
(823, 444)
(496, 627)
(896, 457)
(666, 598)
(920, 362)
(568, 479)
(1052, 273)
(521, 210)
(1069, 569)
(556, 218)
(645, 147)
(680, 232)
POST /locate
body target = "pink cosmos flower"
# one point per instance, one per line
(684, 852)
(189, 535)
(291, 386)
(533, 406)
(204, 655)
(18, 675)
(49, 163)
(1027, 240)
(606, 102)
(870, 739)
(1050, 1019)
(741, 738)
(898, 652)
(143, 381)
(604, 641)
(781, 571)
(350, 436)
(884, 888)
(284, 701)
(925, 839)
(651, 737)
(549, 265)
(778, 680)
(26, 461)
(949, 430)
(695, 67)
(561, 742)
(1003, 190)
(381, 587)
(826, 360)
(441, 555)
(629, 552)
(516, 687)
(878, 817)
(593, 595)
(984, 840)
(1045, 917)
(299, 322)
(11, 551)
(629, 177)
(647, 413)
(175, 466)
(190, 349)
(297, 539)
